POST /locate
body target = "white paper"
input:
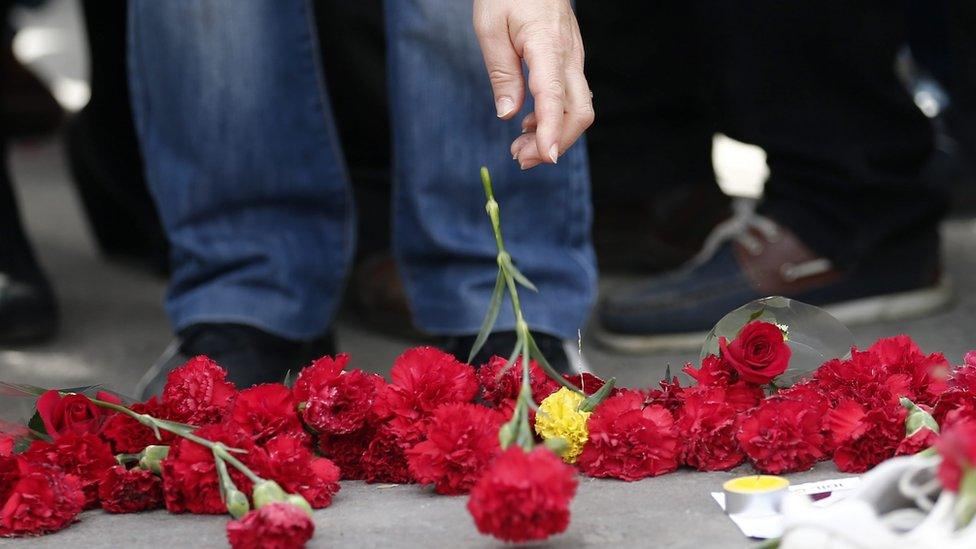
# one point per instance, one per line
(771, 526)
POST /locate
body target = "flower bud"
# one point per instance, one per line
(237, 504)
(151, 457)
(558, 445)
(506, 435)
(300, 502)
(918, 418)
(267, 492)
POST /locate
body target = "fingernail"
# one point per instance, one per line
(554, 153)
(504, 106)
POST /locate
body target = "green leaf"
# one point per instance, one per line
(36, 424)
(594, 400)
(495, 305)
(756, 315)
(519, 277)
(536, 354)
(20, 389)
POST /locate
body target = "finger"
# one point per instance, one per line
(528, 155)
(579, 108)
(502, 63)
(546, 82)
(520, 143)
(529, 123)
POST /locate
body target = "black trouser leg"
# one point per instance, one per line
(812, 82)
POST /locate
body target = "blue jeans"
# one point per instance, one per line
(243, 159)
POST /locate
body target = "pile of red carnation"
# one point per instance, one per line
(437, 421)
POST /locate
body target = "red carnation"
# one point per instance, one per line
(6, 445)
(864, 437)
(586, 382)
(84, 456)
(713, 371)
(342, 404)
(322, 371)
(927, 373)
(782, 436)
(197, 393)
(40, 499)
(862, 378)
(707, 427)
(128, 436)
(423, 379)
(670, 395)
(265, 411)
(292, 465)
(462, 439)
(71, 413)
(346, 451)
(190, 480)
(274, 526)
(629, 441)
(964, 377)
(957, 446)
(499, 385)
(523, 496)
(759, 353)
(923, 439)
(385, 459)
(130, 491)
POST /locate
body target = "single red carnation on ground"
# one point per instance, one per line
(41, 499)
(782, 436)
(190, 481)
(462, 440)
(72, 414)
(130, 491)
(862, 437)
(266, 411)
(707, 425)
(499, 385)
(524, 496)
(197, 392)
(293, 466)
(274, 526)
(128, 436)
(957, 446)
(346, 451)
(86, 457)
(759, 353)
(713, 371)
(342, 404)
(322, 371)
(927, 374)
(423, 378)
(628, 440)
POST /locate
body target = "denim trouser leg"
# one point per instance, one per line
(445, 127)
(243, 161)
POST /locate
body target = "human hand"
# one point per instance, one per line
(545, 34)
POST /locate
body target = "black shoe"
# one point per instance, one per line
(562, 355)
(756, 258)
(251, 356)
(28, 310)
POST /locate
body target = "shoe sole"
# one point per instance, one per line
(883, 308)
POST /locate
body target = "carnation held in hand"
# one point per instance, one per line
(524, 496)
(560, 417)
(759, 353)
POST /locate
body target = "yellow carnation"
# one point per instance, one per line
(559, 417)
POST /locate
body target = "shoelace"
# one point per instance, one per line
(739, 228)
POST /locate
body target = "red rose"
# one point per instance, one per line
(523, 496)
(321, 372)
(923, 439)
(957, 446)
(41, 500)
(423, 378)
(346, 451)
(197, 393)
(265, 411)
(293, 466)
(707, 425)
(130, 491)
(462, 439)
(863, 437)
(190, 480)
(713, 371)
(73, 413)
(84, 456)
(759, 353)
(499, 385)
(344, 403)
(274, 526)
(629, 441)
(927, 374)
(128, 436)
(782, 436)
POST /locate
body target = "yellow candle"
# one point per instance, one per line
(755, 494)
